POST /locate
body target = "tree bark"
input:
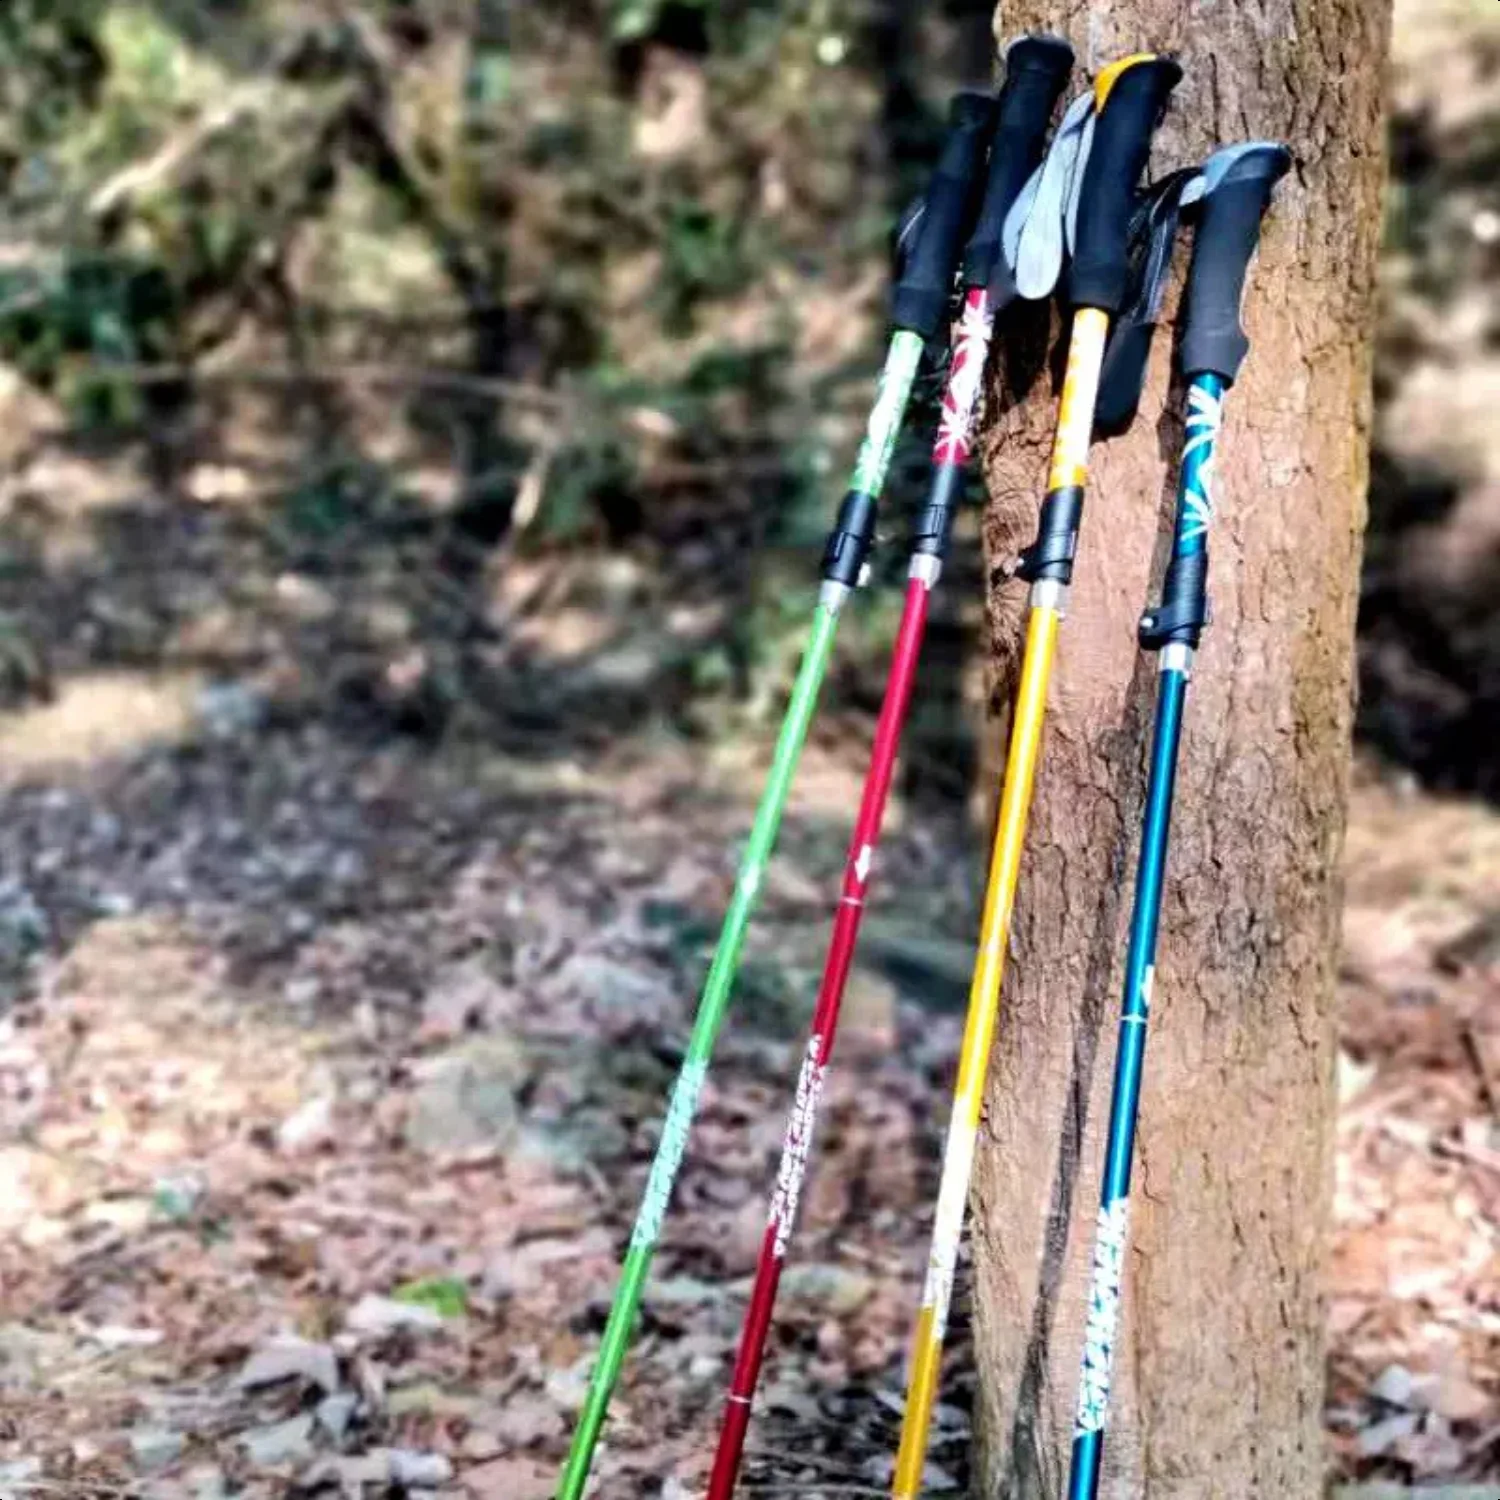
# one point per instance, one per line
(1219, 1362)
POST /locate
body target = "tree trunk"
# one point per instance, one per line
(1218, 1366)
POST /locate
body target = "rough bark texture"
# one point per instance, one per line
(1218, 1373)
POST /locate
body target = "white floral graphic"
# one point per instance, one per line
(674, 1139)
(971, 342)
(795, 1148)
(1205, 415)
(1104, 1313)
(885, 418)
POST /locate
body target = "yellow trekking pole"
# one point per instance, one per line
(1090, 175)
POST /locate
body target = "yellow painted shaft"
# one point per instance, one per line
(979, 1031)
(1069, 467)
(1075, 416)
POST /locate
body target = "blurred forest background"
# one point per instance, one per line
(418, 421)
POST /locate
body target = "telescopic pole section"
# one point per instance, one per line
(874, 459)
(799, 1131)
(1205, 398)
(1237, 185)
(1048, 600)
(1130, 96)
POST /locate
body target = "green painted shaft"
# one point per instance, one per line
(870, 471)
(684, 1102)
(896, 379)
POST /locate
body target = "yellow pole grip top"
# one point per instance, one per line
(1111, 75)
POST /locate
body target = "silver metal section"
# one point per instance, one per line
(1176, 656)
(1048, 593)
(927, 568)
(832, 595)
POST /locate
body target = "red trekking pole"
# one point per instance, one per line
(1036, 70)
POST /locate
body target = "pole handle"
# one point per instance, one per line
(1036, 70)
(1129, 99)
(924, 278)
(1238, 183)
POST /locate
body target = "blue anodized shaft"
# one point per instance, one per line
(1190, 537)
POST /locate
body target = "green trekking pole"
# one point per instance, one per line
(931, 243)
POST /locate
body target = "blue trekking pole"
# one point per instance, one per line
(1234, 189)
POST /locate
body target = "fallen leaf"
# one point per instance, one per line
(335, 1413)
(409, 1467)
(307, 1128)
(1381, 1437)
(457, 1000)
(431, 1400)
(380, 1315)
(113, 1336)
(841, 1290)
(1455, 1397)
(279, 1442)
(509, 1479)
(1433, 1450)
(528, 1419)
(290, 1358)
(129, 1215)
(480, 1444)
(1394, 1386)
(156, 1447)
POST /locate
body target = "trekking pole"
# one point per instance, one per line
(1236, 187)
(919, 302)
(1036, 69)
(1128, 98)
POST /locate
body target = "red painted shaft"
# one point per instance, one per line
(799, 1130)
(950, 457)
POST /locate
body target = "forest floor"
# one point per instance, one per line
(332, 1055)
(338, 1062)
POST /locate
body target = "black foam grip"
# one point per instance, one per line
(1100, 273)
(1036, 70)
(925, 280)
(1213, 340)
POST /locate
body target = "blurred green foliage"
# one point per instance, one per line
(642, 242)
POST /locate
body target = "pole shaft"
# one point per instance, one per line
(979, 1031)
(897, 376)
(1069, 470)
(950, 457)
(797, 1143)
(1110, 1233)
(1190, 534)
